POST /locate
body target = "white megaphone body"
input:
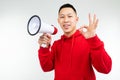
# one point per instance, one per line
(36, 25)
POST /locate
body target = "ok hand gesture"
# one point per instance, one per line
(91, 28)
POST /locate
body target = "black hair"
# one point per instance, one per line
(67, 5)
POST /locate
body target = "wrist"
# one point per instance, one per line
(91, 35)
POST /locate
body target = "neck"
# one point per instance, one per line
(69, 34)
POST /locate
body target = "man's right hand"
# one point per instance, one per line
(45, 39)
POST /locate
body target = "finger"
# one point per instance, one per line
(42, 41)
(43, 38)
(90, 21)
(94, 19)
(80, 29)
(48, 35)
(46, 38)
(83, 28)
(96, 23)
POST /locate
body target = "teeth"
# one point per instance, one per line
(66, 25)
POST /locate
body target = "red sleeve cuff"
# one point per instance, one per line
(94, 42)
(43, 51)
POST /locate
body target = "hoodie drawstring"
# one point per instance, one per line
(71, 50)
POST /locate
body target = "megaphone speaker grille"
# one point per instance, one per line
(34, 25)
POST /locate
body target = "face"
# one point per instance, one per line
(67, 19)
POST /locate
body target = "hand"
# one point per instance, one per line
(91, 28)
(45, 39)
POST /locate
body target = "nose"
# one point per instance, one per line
(66, 19)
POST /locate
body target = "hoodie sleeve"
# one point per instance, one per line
(100, 58)
(46, 58)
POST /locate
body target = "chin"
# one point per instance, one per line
(67, 32)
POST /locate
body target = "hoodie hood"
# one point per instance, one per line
(72, 37)
(77, 33)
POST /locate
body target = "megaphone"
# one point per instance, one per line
(36, 25)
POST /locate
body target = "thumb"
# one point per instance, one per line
(83, 28)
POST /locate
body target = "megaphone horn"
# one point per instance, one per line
(36, 25)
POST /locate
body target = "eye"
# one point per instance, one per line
(61, 16)
(69, 16)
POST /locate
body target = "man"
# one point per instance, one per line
(74, 55)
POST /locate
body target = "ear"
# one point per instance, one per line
(77, 18)
(58, 20)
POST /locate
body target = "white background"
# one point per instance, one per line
(18, 50)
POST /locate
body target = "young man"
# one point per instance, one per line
(74, 55)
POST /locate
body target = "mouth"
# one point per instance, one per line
(66, 26)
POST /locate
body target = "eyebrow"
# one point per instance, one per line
(64, 14)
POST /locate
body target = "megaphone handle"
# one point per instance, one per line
(43, 45)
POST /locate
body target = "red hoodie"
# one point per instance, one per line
(73, 58)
